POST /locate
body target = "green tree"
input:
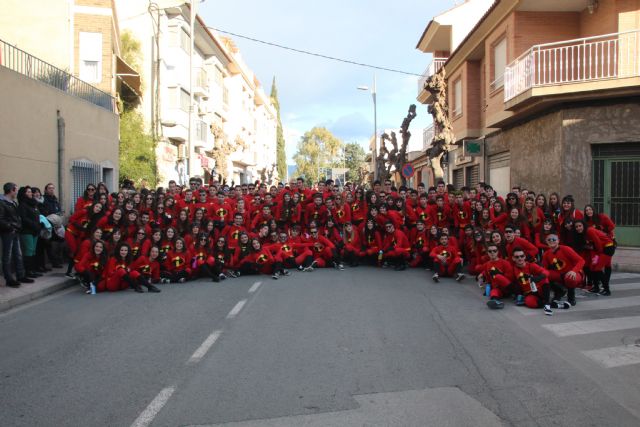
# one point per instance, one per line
(318, 148)
(137, 147)
(353, 160)
(137, 150)
(281, 155)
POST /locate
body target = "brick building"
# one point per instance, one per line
(551, 89)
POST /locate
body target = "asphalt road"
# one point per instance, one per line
(362, 347)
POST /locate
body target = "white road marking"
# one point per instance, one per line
(156, 405)
(254, 287)
(204, 347)
(613, 357)
(595, 303)
(593, 326)
(235, 310)
(615, 276)
(624, 286)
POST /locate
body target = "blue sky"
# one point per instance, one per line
(318, 92)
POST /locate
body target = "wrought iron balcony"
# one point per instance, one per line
(28, 65)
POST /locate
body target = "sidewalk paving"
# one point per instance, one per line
(626, 259)
(43, 286)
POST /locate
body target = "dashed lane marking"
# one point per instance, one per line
(235, 310)
(156, 405)
(204, 347)
(255, 287)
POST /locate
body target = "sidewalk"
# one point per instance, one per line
(43, 286)
(627, 259)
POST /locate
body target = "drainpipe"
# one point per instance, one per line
(61, 171)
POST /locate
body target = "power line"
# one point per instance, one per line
(306, 52)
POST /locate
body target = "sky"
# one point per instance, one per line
(318, 92)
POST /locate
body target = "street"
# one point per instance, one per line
(360, 347)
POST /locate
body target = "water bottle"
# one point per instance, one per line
(92, 288)
(487, 290)
(380, 258)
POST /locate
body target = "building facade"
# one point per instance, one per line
(551, 91)
(62, 74)
(199, 98)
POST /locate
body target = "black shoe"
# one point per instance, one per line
(572, 301)
(26, 280)
(459, 277)
(494, 304)
(13, 284)
(594, 290)
(153, 289)
(57, 266)
(605, 293)
(138, 289)
(42, 270)
(33, 274)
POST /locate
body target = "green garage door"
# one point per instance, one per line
(616, 188)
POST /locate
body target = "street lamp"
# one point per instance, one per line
(375, 125)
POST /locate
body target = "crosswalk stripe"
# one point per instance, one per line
(612, 357)
(615, 276)
(597, 303)
(593, 326)
(625, 286)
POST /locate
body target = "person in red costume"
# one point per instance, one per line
(446, 262)
(177, 267)
(371, 242)
(532, 284)
(91, 266)
(396, 249)
(148, 266)
(118, 273)
(324, 252)
(565, 268)
(599, 221)
(419, 240)
(596, 248)
(512, 241)
(498, 273)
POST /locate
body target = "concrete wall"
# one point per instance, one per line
(581, 127)
(28, 141)
(553, 152)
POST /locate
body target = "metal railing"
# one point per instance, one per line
(428, 134)
(28, 65)
(201, 78)
(611, 56)
(433, 68)
(202, 129)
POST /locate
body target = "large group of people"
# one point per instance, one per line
(528, 246)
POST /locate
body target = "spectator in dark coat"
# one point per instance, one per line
(10, 226)
(28, 210)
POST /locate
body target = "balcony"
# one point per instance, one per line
(200, 82)
(433, 68)
(609, 62)
(23, 63)
(428, 134)
(201, 132)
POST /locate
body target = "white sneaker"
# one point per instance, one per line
(547, 310)
(275, 276)
(435, 277)
(459, 277)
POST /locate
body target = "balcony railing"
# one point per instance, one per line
(433, 68)
(612, 56)
(21, 62)
(202, 129)
(428, 134)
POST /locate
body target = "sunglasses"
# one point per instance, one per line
(314, 232)
(91, 189)
(492, 251)
(552, 239)
(519, 256)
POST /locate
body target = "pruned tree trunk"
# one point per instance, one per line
(397, 157)
(443, 138)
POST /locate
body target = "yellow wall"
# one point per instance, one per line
(28, 141)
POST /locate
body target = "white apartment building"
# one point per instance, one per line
(223, 95)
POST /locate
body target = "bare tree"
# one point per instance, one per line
(397, 156)
(439, 109)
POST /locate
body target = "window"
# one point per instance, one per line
(179, 98)
(180, 38)
(218, 76)
(499, 64)
(90, 64)
(457, 98)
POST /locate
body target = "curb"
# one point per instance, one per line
(40, 293)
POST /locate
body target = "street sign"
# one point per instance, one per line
(472, 147)
(407, 170)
